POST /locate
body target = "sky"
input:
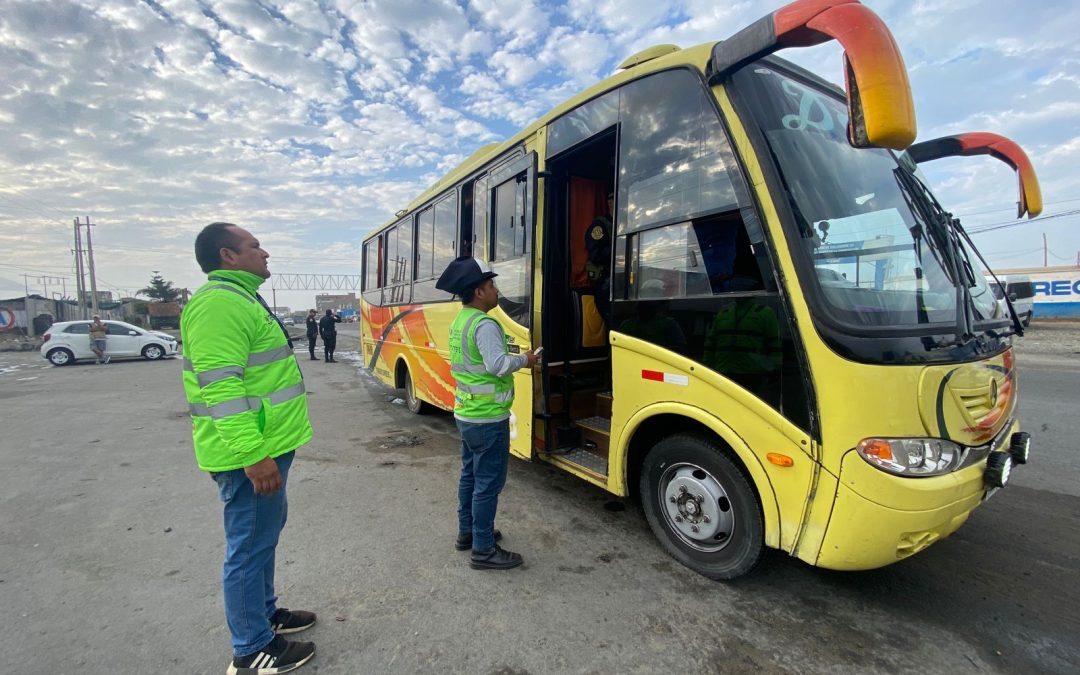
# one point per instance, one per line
(310, 122)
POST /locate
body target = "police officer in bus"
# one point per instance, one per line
(484, 372)
(598, 261)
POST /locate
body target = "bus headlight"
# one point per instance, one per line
(911, 456)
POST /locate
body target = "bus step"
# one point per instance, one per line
(587, 456)
(603, 405)
(598, 424)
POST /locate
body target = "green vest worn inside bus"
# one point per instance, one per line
(243, 385)
(480, 395)
(744, 339)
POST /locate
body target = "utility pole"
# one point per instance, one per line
(26, 307)
(80, 281)
(1044, 249)
(93, 276)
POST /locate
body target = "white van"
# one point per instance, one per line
(1019, 290)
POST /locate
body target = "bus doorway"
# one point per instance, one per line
(576, 403)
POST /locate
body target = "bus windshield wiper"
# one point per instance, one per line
(938, 223)
(1017, 324)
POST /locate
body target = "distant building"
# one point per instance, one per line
(337, 302)
(1056, 289)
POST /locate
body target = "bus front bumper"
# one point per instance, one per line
(907, 514)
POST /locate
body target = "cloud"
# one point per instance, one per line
(315, 120)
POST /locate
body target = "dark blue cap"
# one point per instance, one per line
(464, 273)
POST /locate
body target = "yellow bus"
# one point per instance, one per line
(775, 339)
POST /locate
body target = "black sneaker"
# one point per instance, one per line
(464, 541)
(280, 656)
(495, 559)
(286, 621)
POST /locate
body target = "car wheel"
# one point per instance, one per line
(61, 357)
(1027, 321)
(701, 507)
(152, 352)
(413, 401)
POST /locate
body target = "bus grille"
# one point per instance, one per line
(977, 403)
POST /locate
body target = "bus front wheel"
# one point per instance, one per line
(701, 507)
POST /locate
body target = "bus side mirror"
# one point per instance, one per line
(880, 110)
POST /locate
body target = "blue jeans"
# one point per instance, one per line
(252, 526)
(485, 449)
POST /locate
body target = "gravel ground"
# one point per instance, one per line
(1046, 338)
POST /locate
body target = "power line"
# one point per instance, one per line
(1013, 208)
(11, 188)
(990, 227)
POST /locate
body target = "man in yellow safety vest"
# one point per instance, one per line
(484, 372)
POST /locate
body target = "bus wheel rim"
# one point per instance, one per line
(697, 507)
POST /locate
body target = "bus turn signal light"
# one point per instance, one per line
(878, 448)
(780, 460)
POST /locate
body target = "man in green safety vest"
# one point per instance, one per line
(484, 372)
(248, 414)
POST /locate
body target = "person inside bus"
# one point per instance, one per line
(652, 323)
(743, 344)
(484, 373)
(598, 263)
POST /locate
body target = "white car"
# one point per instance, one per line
(69, 341)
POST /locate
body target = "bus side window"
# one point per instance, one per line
(425, 244)
(512, 245)
(446, 232)
(480, 219)
(372, 281)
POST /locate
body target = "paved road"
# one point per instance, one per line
(110, 552)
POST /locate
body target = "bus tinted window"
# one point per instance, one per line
(512, 244)
(371, 265)
(445, 232)
(398, 262)
(584, 122)
(703, 257)
(674, 160)
(480, 222)
(425, 244)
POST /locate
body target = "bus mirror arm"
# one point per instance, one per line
(998, 147)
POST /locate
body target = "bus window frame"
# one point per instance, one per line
(387, 288)
(521, 168)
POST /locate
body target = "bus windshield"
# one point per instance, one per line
(870, 236)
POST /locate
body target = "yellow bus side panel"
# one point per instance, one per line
(748, 426)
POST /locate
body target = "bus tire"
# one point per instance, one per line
(701, 507)
(412, 401)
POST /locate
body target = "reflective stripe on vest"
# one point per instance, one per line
(208, 377)
(242, 405)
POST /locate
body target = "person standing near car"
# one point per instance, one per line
(312, 333)
(249, 415)
(484, 373)
(328, 330)
(98, 333)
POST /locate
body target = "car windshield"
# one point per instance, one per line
(869, 234)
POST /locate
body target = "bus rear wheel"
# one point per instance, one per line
(415, 405)
(702, 508)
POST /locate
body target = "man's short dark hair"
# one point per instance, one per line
(209, 243)
(467, 294)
